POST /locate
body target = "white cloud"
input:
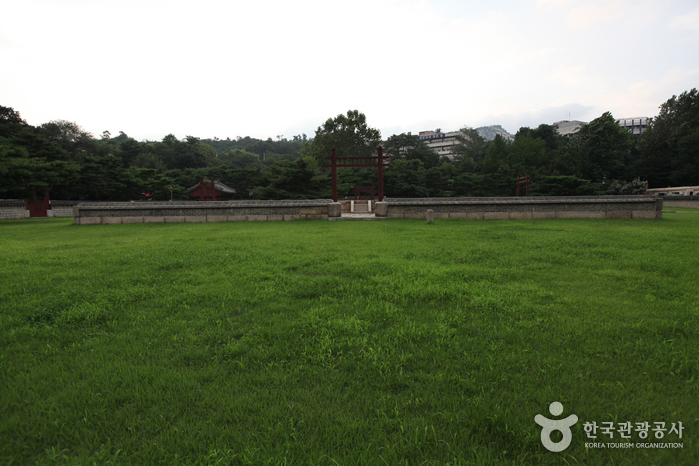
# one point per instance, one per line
(688, 21)
(591, 13)
(211, 68)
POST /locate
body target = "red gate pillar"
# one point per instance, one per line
(380, 174)
(527, 183)
(333, 169)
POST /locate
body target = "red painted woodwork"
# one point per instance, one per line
(38, 207)
(523, 179)
(364, 194)
(377, 161)
(210, 190)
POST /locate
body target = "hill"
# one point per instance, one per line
(489, 132)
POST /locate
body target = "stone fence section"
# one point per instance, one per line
(191, 212)
(13, 209)
(690, 202)
(484, 208)
(609, 207)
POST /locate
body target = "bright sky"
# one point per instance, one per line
(265, 68)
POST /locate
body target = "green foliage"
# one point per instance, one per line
(527, 153)
(11, 123)
(30, 164)
(288, 180)
(562, 185)
(410, 147)
(605, 148)
(405, 178)
(259, 146)
(471, 147)
(668, 149)
(685, 166)
(632, 187)
(73, 164)
(349, 134)
(239, 158)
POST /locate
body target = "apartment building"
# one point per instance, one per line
(441, 143)
(636, 126)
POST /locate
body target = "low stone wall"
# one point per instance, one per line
(474, 208)
(13, 209)
(191, 212)
(649, 207)
(63, 208)
(690, 202)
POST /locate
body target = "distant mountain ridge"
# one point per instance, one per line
(489, 132)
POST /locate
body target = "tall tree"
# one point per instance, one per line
(349, 134)
(11, 123)
(29, 164)
(667, 153)
(411, 147)
(605, 148)
(470, 145)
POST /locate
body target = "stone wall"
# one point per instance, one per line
(690, 202)
(63, 208)
(528, 207)
(474, 208)
(191, 212)
(13, 209)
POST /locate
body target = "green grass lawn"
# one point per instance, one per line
(341, 343)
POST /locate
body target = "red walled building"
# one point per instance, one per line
(210, 190)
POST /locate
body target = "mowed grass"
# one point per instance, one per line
(342, 343)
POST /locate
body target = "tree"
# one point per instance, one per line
(349, 134)
(497, 153)
(406, 178)
(239, 158)
(69, 135)
(470, 145)
(288, 180)
(559, 185)
(11, 123)
(605, 148)
(667, 154)
(411, 147)
(29, 164)
(527, 153)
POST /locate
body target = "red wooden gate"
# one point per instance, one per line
(377, 161)
(38, 207)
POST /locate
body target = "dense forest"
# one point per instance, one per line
(602, 158)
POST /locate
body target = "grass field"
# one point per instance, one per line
(343, 343)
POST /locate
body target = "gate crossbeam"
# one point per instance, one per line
(377, 161)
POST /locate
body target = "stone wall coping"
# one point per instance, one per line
(198, 205)
(524, 200)
(11, 202)
(678, 198)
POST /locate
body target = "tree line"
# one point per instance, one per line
(602, 158)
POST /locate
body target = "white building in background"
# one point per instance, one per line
(636, 126)
(676, 191)
(441, 143)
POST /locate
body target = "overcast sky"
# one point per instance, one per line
(265, 68)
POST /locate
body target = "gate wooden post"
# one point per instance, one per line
(356, 162)
(380, 174)
(333, 169)
(527, 183)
